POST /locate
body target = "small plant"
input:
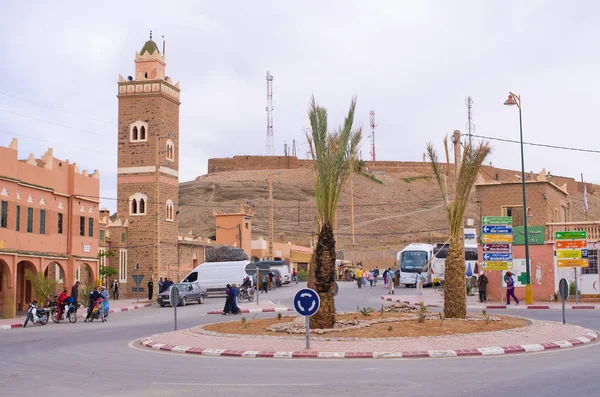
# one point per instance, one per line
(302, 275)
(42, 285)
(249, 323)
(356, 318)
(279, 316)
(422, 312)
(390, 328)
(572, 289)
(381, 311)
(487, 319)
(357, 309)
(244, 323)
(442, 317)
(366, 311)
(484, 312)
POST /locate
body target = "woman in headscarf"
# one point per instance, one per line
(228, 299)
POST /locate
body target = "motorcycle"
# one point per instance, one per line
(97, 311)
(36, 315)
(70, 312)
(245, 293)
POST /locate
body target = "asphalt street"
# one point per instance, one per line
(95, 359)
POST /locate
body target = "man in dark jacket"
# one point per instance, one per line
(94, 296)
(75, 292)
(482, 283)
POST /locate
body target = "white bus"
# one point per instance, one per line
(412, 258)
(439, 262)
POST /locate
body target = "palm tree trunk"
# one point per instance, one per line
(322, 278)
(455, 298)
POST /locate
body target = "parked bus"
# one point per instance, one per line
(412, 258)
(438, 264)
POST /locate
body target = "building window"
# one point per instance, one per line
(4, 215)
(82, 225)
(60, 223)
(170, 150)
(516, 212)
(18, 221)
(137, 204)
(90, 227)
(592, 263)
(101, 235)
(102, 257)
(123, 237)
(138, 131)
(77, 274)
(29, 220)
(42, 221)
(563, 213)
(246, 225)
(123, 266)
(170, 210)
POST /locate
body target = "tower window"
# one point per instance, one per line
(138, 131)
(170, 210)
(170, 150)
(137, 204)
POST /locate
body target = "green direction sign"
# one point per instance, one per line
(572, 235)
(536, 235)
(496, 220)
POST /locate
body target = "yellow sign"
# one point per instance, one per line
(572, 263)
(568, 254)
(497, 265)
(496, 238)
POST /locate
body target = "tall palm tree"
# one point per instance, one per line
(455, 299)
(334, 155)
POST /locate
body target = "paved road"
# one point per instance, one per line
(97, 360)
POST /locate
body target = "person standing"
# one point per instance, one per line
(370, 277)
(419, 283)
(482, 283)
(375, 275)
(265, 284)
(390, 281)
(75, 293)
(161, 285)
(115, 290)
(294, 275)
(150, 288)
(105, 295)
(359, 274)
(510, 288)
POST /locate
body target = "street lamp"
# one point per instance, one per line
(514, 99)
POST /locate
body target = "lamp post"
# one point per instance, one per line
(514, 99)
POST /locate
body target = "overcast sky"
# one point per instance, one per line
(413, 62)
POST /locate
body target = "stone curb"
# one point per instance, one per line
(483, 351)
(524, 307)
(80, 315)
(265, 310)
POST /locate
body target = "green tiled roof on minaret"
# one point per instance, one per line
(149, 47)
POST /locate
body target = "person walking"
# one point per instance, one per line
(265, 284)
(228, 300)
(510, 288)
(482, 283)
(385, 278)
(390, 275)
(115, 290)
(75, 293)
(364, 278)
(359, 274)
(370, 277)
(234, 293)
(150, 288)
(419, 283)
(375, 275)
(161, 285)
(294, 276)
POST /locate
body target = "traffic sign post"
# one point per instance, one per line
(563, 290)
(258, 269)
(174, 301)
(496, 240)
(571, 251)
(137, 279)
(307, 303)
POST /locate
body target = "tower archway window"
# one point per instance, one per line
(146, 75)
(169, 209)
(170, 150)
(138, 131)
(137, 204)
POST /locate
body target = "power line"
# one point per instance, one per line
(535, 144)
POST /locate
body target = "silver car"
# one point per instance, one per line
(188, 292)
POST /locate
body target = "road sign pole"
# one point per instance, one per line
(307, 319)
(175, 316)
(563, 310)
(576, 289)
(137, 294)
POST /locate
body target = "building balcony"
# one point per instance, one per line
(592, 229)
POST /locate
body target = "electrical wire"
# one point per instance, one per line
(534, 144)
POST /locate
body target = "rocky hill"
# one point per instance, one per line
(406, 207)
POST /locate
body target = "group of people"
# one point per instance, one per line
(98, 296)
(231, 299)
(390, 278)
(163, 285)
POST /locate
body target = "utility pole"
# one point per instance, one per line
(269, 108)
(352, 210)
(270, 253)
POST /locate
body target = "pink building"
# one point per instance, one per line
(48, 223)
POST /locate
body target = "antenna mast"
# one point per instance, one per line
(470, 125)
(269, 109)
(372, 114)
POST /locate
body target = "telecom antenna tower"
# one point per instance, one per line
(470, 125)
(372, 114)
(269, 108)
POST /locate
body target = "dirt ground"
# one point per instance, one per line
(410, 328)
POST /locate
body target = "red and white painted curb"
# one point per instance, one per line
(81, 314)
(483, 351)
(264, 310)
(499, 306)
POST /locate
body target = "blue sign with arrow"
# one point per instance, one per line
(307, 302)
(497, 256)
(497, 229)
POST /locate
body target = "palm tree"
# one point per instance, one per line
(334, 155)
(455, 299)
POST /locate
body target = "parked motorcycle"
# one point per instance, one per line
(36, 315)
(70, 312)
(245, 293)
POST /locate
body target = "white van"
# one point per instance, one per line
(214, 276)
(284, 270)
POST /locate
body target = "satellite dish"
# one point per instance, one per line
(129, 78)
